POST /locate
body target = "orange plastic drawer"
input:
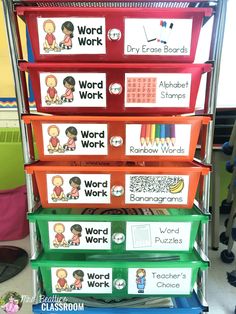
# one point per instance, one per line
(88, 138)
(73, 34)
(117, 185)
(115, 89)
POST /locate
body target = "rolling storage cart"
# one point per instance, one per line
(114, 217)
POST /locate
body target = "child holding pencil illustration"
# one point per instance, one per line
(68, 30)
(71, 133)
(69, 83)
(75, 183)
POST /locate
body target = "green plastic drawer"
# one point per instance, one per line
(117, 230)
(119, 275)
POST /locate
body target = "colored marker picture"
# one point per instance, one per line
(155, 134)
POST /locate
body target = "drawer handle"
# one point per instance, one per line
(114, 34)
(117, 190)
(118, 238)
(115, 89)
(116, 141)
(119, 284)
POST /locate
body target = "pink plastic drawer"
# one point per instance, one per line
(91, 138)
(137, 89)
(114, 34)
(117, 184)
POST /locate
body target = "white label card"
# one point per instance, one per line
(156, 189)
(73, 89)
(81, 280)
(153, 90)
(161, 236)
(159, 281)
(71, 35)
(79, 235)
(170, 37)
(158, 139)
(75, 139)
(78, 188)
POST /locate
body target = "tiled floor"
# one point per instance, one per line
(221, 295)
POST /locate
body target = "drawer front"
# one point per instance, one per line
(114, 34)
(108, 281)
(164, 275)
(146, 236)
(117, 187)
(115, 89)
(111, 139)
(117, 230)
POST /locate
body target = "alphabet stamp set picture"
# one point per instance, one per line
(116, 134)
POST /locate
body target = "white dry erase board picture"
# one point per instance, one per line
(172, 38)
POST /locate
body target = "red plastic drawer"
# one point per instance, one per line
(73, 88)
(71, 138)
(117, 185)
(114, 34)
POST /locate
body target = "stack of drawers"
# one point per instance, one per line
(116, 175)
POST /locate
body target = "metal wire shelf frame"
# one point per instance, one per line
(219, 6)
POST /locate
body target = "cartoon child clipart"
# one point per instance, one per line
(54, 142)
(11, 306)
(69, 83)
(75, 183)
(71, 133)
(79, 278)
(58, 192)
(61, 282)
(76, 230)
(59, 239)
(68, 29)
(50, 40)
(140, 279)
(52, 96)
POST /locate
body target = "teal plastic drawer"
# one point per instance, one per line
(119, 275)
(118, 230)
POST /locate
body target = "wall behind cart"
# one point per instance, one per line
(7, 91)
